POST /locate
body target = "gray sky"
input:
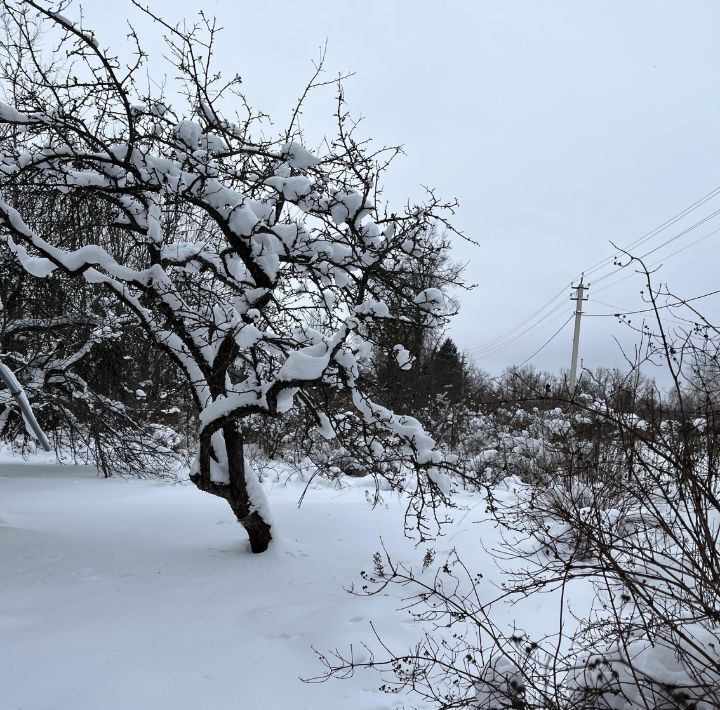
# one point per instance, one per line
(558, 125)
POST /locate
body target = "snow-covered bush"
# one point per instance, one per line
(542, 445)
(632, 516)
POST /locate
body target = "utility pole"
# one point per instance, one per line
(579, 297)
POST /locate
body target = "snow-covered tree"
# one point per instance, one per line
(260, 268)
(95, 383)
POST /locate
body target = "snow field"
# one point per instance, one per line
(134, 594)
(139, 594)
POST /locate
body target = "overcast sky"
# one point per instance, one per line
(559, 126)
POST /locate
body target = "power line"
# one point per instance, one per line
(521, 335)
(669, 241)
(540, 349)
(652, 310)
(658, 230)
(490, 344)
(659, 261)
(534, 321)
(618, 309)
(548, 341)
(483, 351)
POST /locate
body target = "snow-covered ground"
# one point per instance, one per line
(139, 594)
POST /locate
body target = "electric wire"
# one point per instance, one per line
(530, 334)
(668, 241)
(681, 302)
(509, 334)
(520, 335)
(658, 261)
(536, 321)
(548, 341)
(654, 232)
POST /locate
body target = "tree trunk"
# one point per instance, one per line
(258, 531)
(236, 491)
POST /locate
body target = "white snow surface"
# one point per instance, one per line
(139, 594)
